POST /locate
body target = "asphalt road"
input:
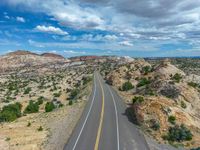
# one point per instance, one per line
(104, 124)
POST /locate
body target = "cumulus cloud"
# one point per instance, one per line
(123, 20)
(126, 43)
(50, 29)
(20, 19)
(74, 52)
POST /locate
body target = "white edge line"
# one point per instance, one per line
(117, 122)
(87, 115)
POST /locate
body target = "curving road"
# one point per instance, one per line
(104, 124)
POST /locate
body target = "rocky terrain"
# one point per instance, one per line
(162, 99)
(40, 97)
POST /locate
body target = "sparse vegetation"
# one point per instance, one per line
(40, 128)
(192, 84)
(183, 105)
(127, 86)
(177, 77)
(146, 69)
(10, 112)
(29, 124)
(49, 107)
(32, 107)
(73, 94)
(137, 99)
(178, 134)
(27, 90)
(155, 125)
(172, 119)
(143, 81)
(70, 102)
(40, 100)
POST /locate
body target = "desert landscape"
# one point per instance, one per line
(46, 95)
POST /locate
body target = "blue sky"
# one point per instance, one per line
(138, 28)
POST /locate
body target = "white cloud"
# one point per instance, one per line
(51, 30)
(20, 19)
(74, 52)
(126, 43)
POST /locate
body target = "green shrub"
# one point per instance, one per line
(143, 81)
(29, 124)
(10, 112)
(70, 102)
(137, 99)
(40, 128)
(73, 93)
(57, 94)
(194, 85)
(172, 119)
(32, 107)
(27, 90)
(86, 80)
(178, 134)
(177, 77)
(155, 125)
(127, 86)
(183, 105)
(146, 69)
(40, 100)
(49, 107)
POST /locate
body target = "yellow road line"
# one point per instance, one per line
(96, 147)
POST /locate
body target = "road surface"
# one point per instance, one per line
(104, 124)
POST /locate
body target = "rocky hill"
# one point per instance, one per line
(163, 100)
(22, 59)
(52, 55)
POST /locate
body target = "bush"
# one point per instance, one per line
(70, 102)
(57, 94)
(183, 105)
(31, 107)
(40, 128)
(29, 124)
(172, 119)
(86, 80)
(177, 77)
(10, 112)
(40, 100)
(27, 90)
(146, 69)
(73, 93)
(49, 107)
(178, 134)
(192, 84)
(137, 99)
(143, 81)
(155, 125)
(127, 86)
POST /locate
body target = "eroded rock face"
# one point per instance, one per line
(163, 96)
(20, 59)
(170, 91)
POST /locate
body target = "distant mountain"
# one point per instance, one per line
(21, 52)
(21, 59)
(52, 55)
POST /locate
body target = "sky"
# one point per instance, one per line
(137, 28)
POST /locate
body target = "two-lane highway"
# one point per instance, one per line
(104, 125)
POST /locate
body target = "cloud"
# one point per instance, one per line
(20, 19)
(121, 23)
(74, 52)
(50, 29)
(126, 43)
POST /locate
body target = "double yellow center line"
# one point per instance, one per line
(96, 147)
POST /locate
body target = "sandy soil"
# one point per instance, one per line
(57, 127)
